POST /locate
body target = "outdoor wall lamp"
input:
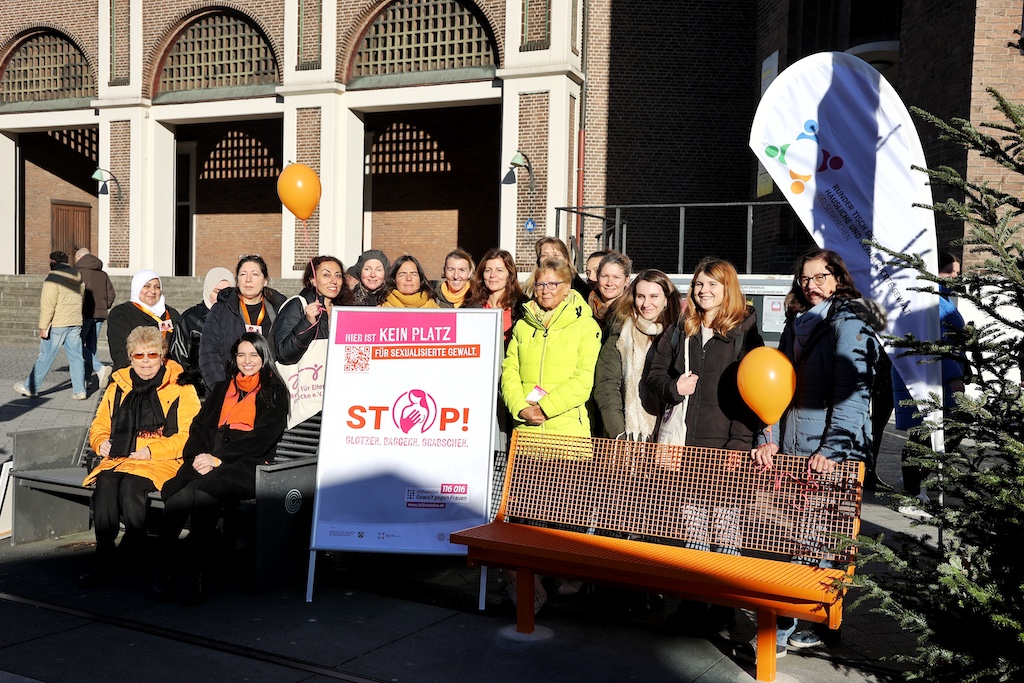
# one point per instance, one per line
(104, 189)
(520, 160)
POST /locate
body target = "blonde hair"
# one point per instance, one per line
(734, 305)
(146, 337)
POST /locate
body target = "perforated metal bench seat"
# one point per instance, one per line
(588, 509)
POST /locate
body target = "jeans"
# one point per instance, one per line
(71, 339)
(90, 334)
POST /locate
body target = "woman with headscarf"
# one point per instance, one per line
(372, 270)
(237, 430)
(409, 287)
(250, 306)
(187, 333)
(146, 307)
(140, 427)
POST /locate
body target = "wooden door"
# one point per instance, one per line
(69, 227)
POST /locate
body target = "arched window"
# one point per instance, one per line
(423, 36)
(218, 50)
(47, 66)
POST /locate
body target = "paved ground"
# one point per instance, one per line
(375, 617)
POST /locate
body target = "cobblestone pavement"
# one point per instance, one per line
(53, 407)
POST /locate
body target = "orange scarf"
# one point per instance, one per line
(240, 413)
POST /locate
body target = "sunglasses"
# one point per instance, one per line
(152, 355)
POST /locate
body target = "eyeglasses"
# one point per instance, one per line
(818, 279)
(546, 285)
(152, 355)
(249, 257)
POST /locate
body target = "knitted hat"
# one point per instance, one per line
(370, 255)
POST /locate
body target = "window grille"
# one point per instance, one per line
(218, 50)
(84, 141)
(239, 155)
(424, 35)
(404, 148)
(46, 66)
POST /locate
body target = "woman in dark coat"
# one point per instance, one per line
(146, 307)
(307, 316)
(236, 430)
(250, 306)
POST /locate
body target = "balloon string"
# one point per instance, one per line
(312, 269)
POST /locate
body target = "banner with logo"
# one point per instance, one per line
(840, 143)
(406, 440)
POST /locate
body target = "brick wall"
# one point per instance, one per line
(307, 233)
(939, 81)
(120, 203)
(162, 21)
(536, 33)
(435, 179)
(121, 42)
(57, 169)
(77, 20)
(670, 97)
(533, 141)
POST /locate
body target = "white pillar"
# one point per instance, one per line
(10, 208)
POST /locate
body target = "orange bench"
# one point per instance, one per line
(620, 513)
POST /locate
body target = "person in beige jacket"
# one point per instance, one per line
(60, 324)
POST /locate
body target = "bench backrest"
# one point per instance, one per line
(696, 497)
(301, 441)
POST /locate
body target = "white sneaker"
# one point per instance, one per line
(80, 396)
(23, 390)
(913, 510)
(103, 376)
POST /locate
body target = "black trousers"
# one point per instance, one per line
(119, 496)
(199, 497)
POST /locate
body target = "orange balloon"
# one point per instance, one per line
(299, 189)
(767, 381)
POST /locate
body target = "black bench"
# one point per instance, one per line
(49, 500)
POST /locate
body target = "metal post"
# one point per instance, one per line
(624, 227)
(750, 239)
(618, 219)
(558, 217)
(682, 229)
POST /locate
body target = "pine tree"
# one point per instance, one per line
(964, 598)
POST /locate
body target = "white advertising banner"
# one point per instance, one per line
(406, 440)
(840, 143)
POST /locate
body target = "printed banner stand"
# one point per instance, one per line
(407, 433)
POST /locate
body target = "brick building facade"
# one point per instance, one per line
(411, 110)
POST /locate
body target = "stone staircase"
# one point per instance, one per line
(19, 301)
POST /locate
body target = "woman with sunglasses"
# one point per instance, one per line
(237, 429)
(140, 427)
(250, 306)
(834, 351)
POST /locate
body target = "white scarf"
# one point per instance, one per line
(634, 342)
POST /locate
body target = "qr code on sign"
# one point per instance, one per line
(357, 359)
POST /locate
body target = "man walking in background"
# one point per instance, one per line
(99, 297)
(60, 324)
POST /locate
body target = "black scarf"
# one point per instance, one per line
(139, 414)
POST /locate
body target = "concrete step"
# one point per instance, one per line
(19, 300)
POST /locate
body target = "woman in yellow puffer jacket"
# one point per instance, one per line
(548, 373)
(140, 428)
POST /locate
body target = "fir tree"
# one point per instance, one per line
(964, 597)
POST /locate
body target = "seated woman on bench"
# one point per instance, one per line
(140, 427)
(237, 429)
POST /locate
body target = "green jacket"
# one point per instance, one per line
(560, 360)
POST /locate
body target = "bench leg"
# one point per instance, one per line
(766, 640)
(524, 600)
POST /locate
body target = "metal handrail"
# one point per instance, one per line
(617, 228)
